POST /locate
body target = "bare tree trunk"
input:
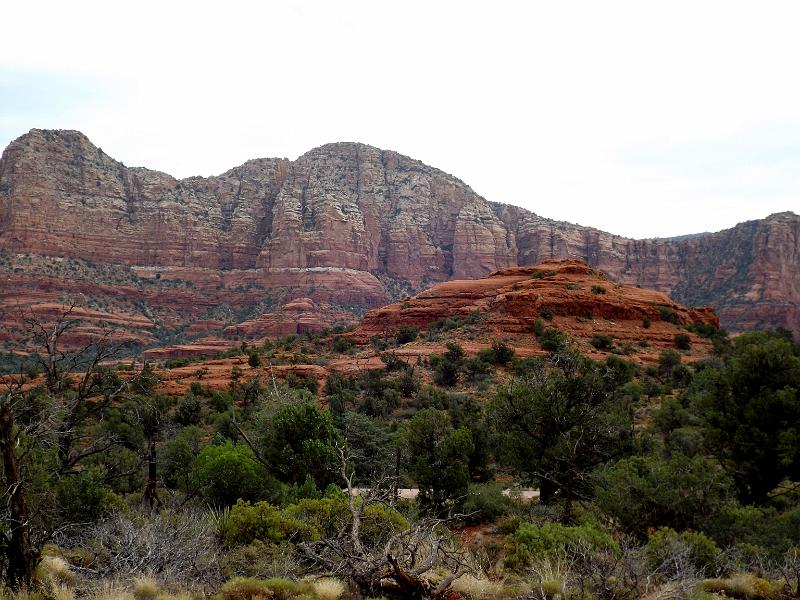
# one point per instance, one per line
(22, 558)
(150, 496)
(547, 491)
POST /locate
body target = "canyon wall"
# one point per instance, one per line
(351, 225)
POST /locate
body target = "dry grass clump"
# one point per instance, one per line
(53, 593)
(329, 588)
(744, 587)
(247, 588)
(111, 590)
(146, 588)
(480, 588)
(56, 570)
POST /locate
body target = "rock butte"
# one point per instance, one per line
(564, 294)
(346, 225)
(508, 303)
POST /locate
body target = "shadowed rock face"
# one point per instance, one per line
(351, 224)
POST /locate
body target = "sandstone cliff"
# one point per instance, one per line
(345, 224)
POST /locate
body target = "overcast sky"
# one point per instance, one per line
(640, 118)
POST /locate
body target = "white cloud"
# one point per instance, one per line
(619, 115)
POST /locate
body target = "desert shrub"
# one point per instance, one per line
(477, 369)
(447, 367)
(538, 328)
(300, 440)
(664, 544)
(175, 459)
(407, 333)
(598, 289)
(302, 383)
(247, 588)
(336, 384)
(379, 522)
(178, 546)
(450, 323)
(407, 384)
(705, 330)
(260, 559)
(647, 491)
(546, 314)
(189, 410)
(744, 587)
(531, 541)
(602, 341)
(393, 362)
(668, 360)
(228, 473)
(221, 401)
(680, 376)
(485, 503)
(197, 388)
(553, 340)
(176, 363)
(752, 526)
(254, 360)
(502, 353)
(683, 341)
(262, 521)
(646, 323)
(84, 497)
(668, 315)
(342, 344)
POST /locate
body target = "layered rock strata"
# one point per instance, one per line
(344, 224)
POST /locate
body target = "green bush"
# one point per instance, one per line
(485, 503)
(648, 491)
(189, 410)
(667, 361)
(229, 472)
(478, 369)
(597, 289)
(406, 334)
(502, 353)
(705, 330)
(751, 526)
(84, 497)
(602, 341)
(539, 541)
(302, 383)
(246, 588)
(668, 315)
(683, 341)
(342, 344)
(254, 360)
(262, 521)
(663, 544)
(447, 367)
(538, 328)
(553, 340)
(300, 440)
(379, 522)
